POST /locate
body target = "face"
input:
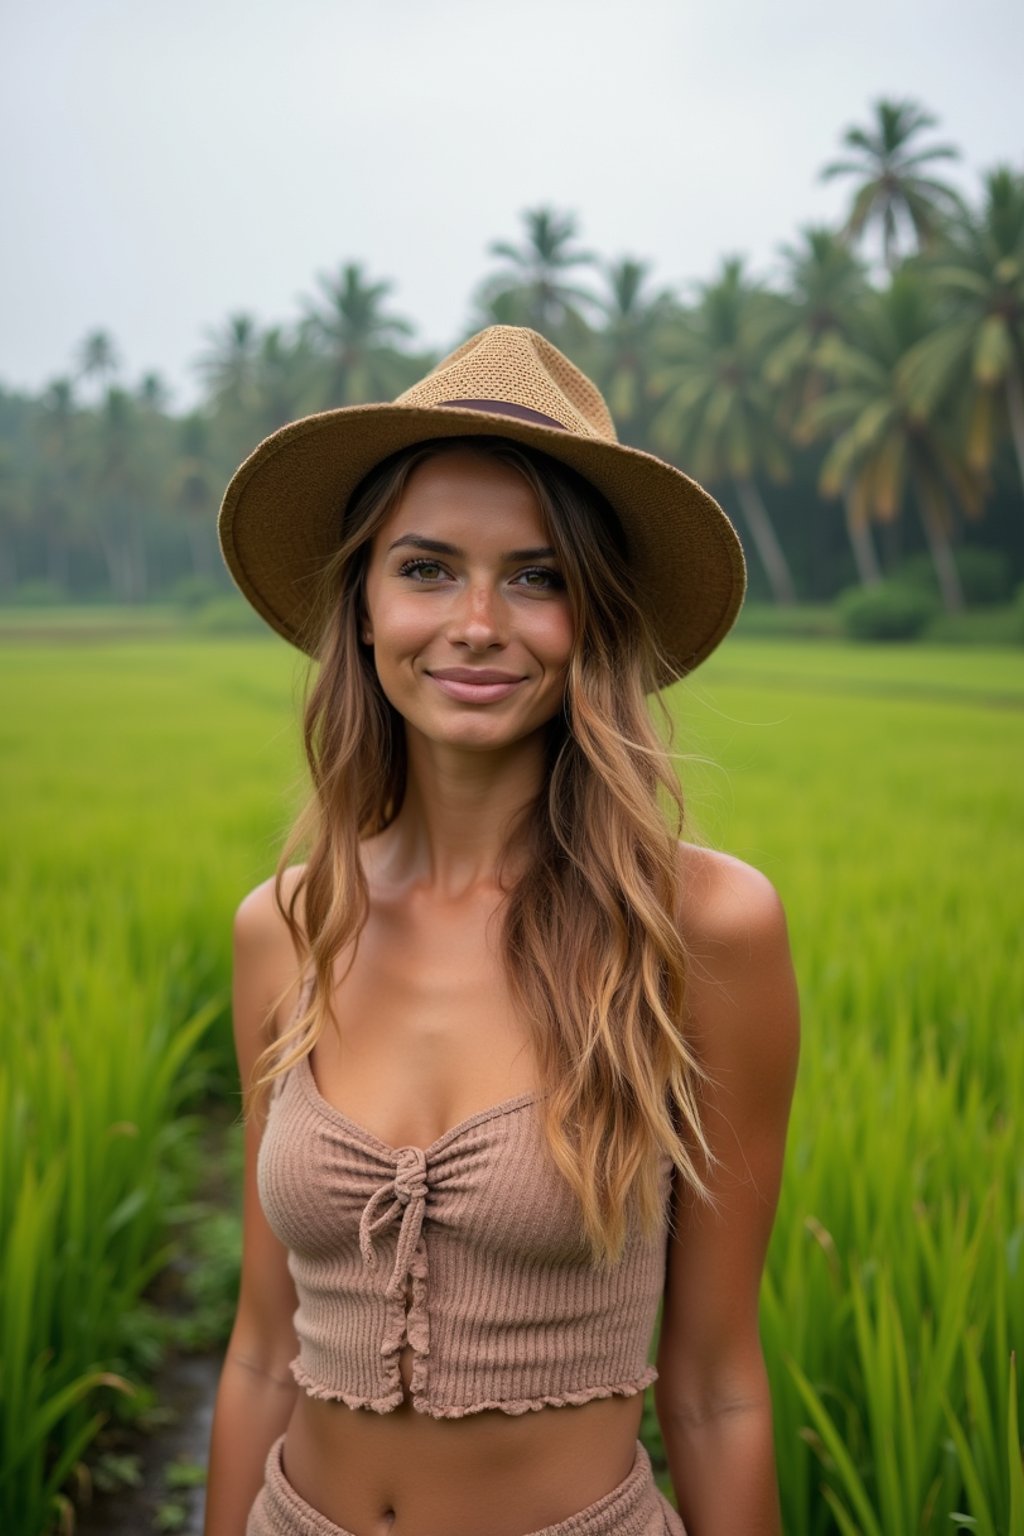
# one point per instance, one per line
(466, 608)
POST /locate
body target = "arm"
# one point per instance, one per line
(256, 1392)
(712, 1394)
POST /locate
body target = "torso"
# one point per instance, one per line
(428, 1037)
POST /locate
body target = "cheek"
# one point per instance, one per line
(554, 637)
(402, 628)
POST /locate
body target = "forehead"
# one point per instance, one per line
(471, 497)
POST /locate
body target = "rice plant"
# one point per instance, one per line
(146, 788)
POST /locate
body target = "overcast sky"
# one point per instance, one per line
(165, 165)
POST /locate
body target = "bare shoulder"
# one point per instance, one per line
(265, 960)
(723, 899)
(742, 999)
(258, 917)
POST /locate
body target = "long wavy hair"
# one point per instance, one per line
(591, 939)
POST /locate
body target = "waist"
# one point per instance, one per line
(527, 1471)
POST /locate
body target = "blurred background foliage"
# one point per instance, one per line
(851, 416)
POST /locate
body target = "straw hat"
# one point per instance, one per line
(282, 512)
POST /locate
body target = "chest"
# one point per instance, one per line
(427, 1033)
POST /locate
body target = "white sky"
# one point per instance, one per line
(164, 165)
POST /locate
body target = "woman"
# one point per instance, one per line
(518, 1059)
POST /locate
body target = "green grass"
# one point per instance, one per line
(145, 789)
(147, 786)
(880, 790)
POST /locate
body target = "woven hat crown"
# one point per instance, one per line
(512, 365)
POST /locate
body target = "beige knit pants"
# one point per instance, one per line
(637, 1507)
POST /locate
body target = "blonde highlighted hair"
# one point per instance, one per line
(591, 940)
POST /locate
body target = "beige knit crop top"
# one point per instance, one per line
(470, 1251)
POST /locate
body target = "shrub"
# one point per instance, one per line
(985, 574)
(888, 611)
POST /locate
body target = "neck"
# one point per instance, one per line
(458, 810)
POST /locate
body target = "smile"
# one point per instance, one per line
(472, 687)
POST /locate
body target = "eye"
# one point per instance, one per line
(541, 578)
(422, 570)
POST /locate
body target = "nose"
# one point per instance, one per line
(479, 618)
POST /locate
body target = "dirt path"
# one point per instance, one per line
(186, 1386)
(170, 1491)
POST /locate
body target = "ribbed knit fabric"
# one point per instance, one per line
(506, 1309)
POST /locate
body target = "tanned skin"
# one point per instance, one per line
(429, 1042)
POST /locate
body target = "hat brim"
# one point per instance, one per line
(281, 517)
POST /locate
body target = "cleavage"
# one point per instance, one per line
(427, 1040)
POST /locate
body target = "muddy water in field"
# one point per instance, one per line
(186, 1386)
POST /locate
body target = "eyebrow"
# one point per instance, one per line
(439, 547)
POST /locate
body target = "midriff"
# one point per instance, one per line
(404, 1473)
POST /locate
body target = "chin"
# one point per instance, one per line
(479, 735)
(481, 740)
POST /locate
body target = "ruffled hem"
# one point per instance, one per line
(513, 1407)
(521, 1405)
(314, 1388)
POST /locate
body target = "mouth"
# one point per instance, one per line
(475, 685)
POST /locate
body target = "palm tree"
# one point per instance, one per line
(116, 484)
(535, 279)
(717, 412)
(56, 488)
(978, 271)
(284, 380)
(98, 358)
(824, 285)
(194, 490)
(893, 187)
(884, 444)
(153, 393)
(227, 367)
(624, 347)
(356, 339)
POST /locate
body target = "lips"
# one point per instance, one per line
(475, 685)
(475, 675)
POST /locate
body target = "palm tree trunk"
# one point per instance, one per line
(1015, 406)
(766, 541)
(890, 247)
(863, 545)
(932, 508)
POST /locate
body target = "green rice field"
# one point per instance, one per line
(146, 786)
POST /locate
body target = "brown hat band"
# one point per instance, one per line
(506, 408)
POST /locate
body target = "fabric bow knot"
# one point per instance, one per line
(411, 1175)
(405, 1193)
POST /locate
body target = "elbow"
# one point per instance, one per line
(698, 1414)
(730, 1395)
